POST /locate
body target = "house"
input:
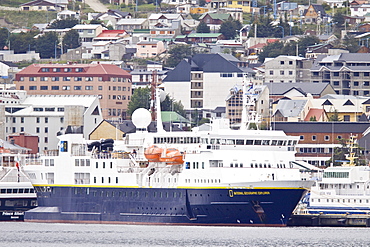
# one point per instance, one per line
(348, 73)
(291, 69)
(314, 14)
(318, 49)
(214, 20)
(364, 27)
(194, 38)
(88, 32)
(111, 35)
(291, 110)
(216, 4)
(43, 5)
(236, 13)
(165, 20)
(143, 76)
(106, 130)
(290, 90)
(129, 25)
(198, 10)
(7, 71)
(146, 49)
(360, 10)
(318, 139)
(246, 6)
(204, 80)
(113, 16)
(111, 83)
(68, 14)
(45, 115)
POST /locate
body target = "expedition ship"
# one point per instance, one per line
(215, 177)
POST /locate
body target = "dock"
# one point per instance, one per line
(340, 220)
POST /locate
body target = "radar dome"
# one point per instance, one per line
(141, 118)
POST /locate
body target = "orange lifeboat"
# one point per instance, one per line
(153, 153)
(172, 157)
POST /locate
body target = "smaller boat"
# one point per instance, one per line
(153, 153)
(172, 156)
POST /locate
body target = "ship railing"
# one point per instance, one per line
(54, 152)
(33, 159)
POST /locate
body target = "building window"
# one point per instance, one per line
(37, 130)
(271, 72)
(346, 118)
(327, 138)
(46, 140)
(43, 87)
(37, 120)
(78, 78)
(77, 88)
(88, 87)
(281, 62)
(46, 120)
(46, 129)
(32, 88)
(22, 129)
(281, 72)
(22, 119)
(100, 87)
(313, 138)
(43, 78)
(54, 87)
(301, 138)
(55, 78)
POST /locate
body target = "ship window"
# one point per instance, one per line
(21, 191)
(231, 165)
(8, 191)
(280, 143)
(236, 165)
(257, 142)
(82, 161)
(103, 164)
(269, 166)
(239, 142)
(116, 180)
(97, 164)
(102, 180)
(264, 165)
(109, 180)
(94, 180)
(202, 165)
(249, 142)
(252, 165)
(260, 165)
(111, 165)
(241, 164)
(51, 162)
(87, 161)
(77, 162)
(266, 142)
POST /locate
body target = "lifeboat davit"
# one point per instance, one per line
(153, 153)
(172, 156)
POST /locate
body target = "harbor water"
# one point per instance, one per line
(43, 234)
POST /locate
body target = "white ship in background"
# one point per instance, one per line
(17, 194)
(216, 177)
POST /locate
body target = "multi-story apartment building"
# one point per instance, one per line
(348, 73)
(45, 115)
(111, 83)
(289, 69)
(204, 80)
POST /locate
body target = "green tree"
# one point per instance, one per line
(71, 40)
(335, 117)
(313, 119)
(139, 99)
(63, 23)
(230, 28)
(271, 50)
(47, 44)
(203, 28)
(3, 37)
(23, 42)
(177, 53)
(351, 44)
(169, 104)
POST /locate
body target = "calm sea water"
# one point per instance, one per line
(39, 234)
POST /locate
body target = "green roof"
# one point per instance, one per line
(216, 16)
(141, 30)
(174, 117)
(204, 35)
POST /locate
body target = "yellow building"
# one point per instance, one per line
(198, 10)
(244, 5)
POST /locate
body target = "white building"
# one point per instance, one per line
(45, 115)
(204, 81)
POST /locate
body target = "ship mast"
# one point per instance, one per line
(156, 102)
(351, 156)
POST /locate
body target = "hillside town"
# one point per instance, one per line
(307, 65)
